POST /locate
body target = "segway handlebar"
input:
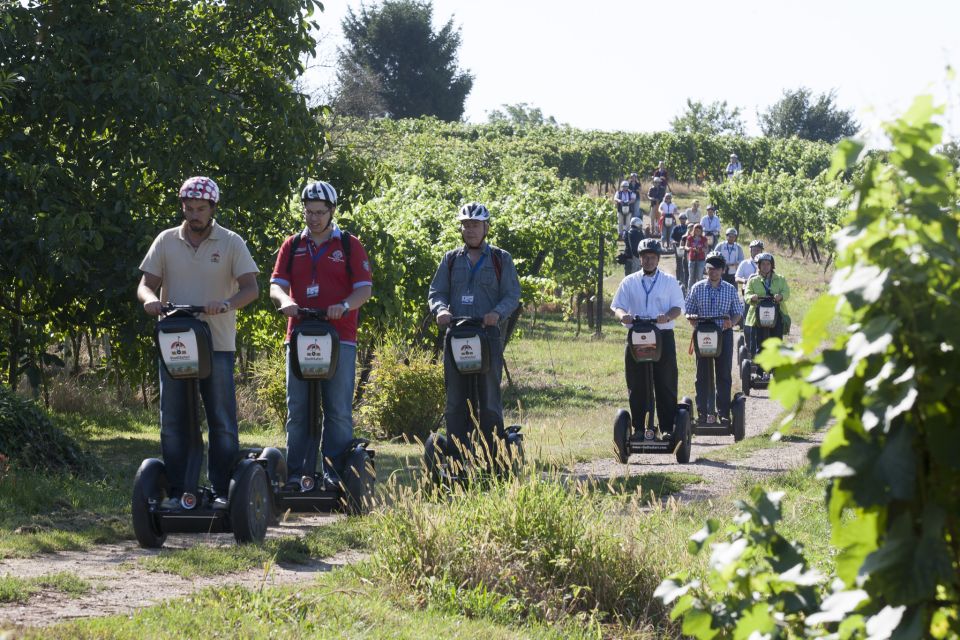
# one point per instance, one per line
(169, 307)
(696, 318)
(460, 321)
(312, 314)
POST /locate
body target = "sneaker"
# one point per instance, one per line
(170, 503)
(219, 503)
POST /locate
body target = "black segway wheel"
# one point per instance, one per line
(745, 372)
(251, 505)
(741, 349)
(621, 433)
(434, 455)
(682, 438)
(150, 485)
(738, 417)
(359, 478)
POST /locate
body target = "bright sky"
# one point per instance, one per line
(619, 65)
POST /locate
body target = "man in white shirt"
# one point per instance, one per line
(732, 253)
(748, 267)
(651, 293)
(711, 226)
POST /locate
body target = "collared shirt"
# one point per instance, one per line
(201, 275)
(732, 253)
(323, 266)
(474, 290)
(648, 296)
(710, 223)
(711, 302)
(776, 284)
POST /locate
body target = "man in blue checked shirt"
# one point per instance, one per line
(712, 298)
(651, 293)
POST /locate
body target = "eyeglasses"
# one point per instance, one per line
(318, 211)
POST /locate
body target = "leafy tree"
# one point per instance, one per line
(711, 119)
(521, 114)
(800, 113)
(107, 106)
(415, 68)
(885, 387)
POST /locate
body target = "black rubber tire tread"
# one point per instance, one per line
(150, 482)
(683, 429)
(621, 432)
(251, 503)
(359, 479)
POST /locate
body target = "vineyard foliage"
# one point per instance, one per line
(885, 389)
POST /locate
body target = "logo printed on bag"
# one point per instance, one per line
(178, 350)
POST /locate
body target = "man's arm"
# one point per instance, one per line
(147, 293)
(438, 297)
(509, 292)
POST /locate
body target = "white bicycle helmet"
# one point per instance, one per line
(636, 223)
(319, 190)
(474, 211)
(200, 188)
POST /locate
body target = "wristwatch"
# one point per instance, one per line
(228, 305)
(346, 305)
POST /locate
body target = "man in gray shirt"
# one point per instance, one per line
(480, 281)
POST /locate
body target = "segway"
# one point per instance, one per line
(314, 353)
(467, 343)
(185, 347)
(708, 344)
(752, 376)
(683, 268)
(668, 221)
(644, 346)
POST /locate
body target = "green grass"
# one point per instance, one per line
(14, 589)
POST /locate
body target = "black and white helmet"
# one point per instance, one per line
(716, 260)
(649, 245)
(636, 223)
(319, 190)
(766, 256)
(474, 211)
(732, 231)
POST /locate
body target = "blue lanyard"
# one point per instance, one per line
(315, 257)
(647, 291)
(474, 269)
(714, 293)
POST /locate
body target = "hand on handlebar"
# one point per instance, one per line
(154, 308)
(443, 318)
(491, 319)
(215, 307)
(290, 310)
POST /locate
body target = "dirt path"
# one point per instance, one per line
(121, 587)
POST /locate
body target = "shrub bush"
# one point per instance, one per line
(405, 394)
(29, 440)
(270, 379)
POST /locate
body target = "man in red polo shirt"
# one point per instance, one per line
(321, 268)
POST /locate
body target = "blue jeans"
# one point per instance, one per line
(337, 432)
(696, 272)
(182, 454)
(460, 424)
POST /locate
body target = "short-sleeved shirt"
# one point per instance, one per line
(710, 223)
(693, 217)
(648, 296)
(711, 302)
(746, 269)
(325, 267)
(668, 209)
(202, 275)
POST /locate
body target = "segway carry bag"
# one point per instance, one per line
(185, 346)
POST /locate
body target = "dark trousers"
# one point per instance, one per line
(664, 384)
(758, 334)
(462, 419)
(722, 378)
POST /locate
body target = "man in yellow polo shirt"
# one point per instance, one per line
(200, 263)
